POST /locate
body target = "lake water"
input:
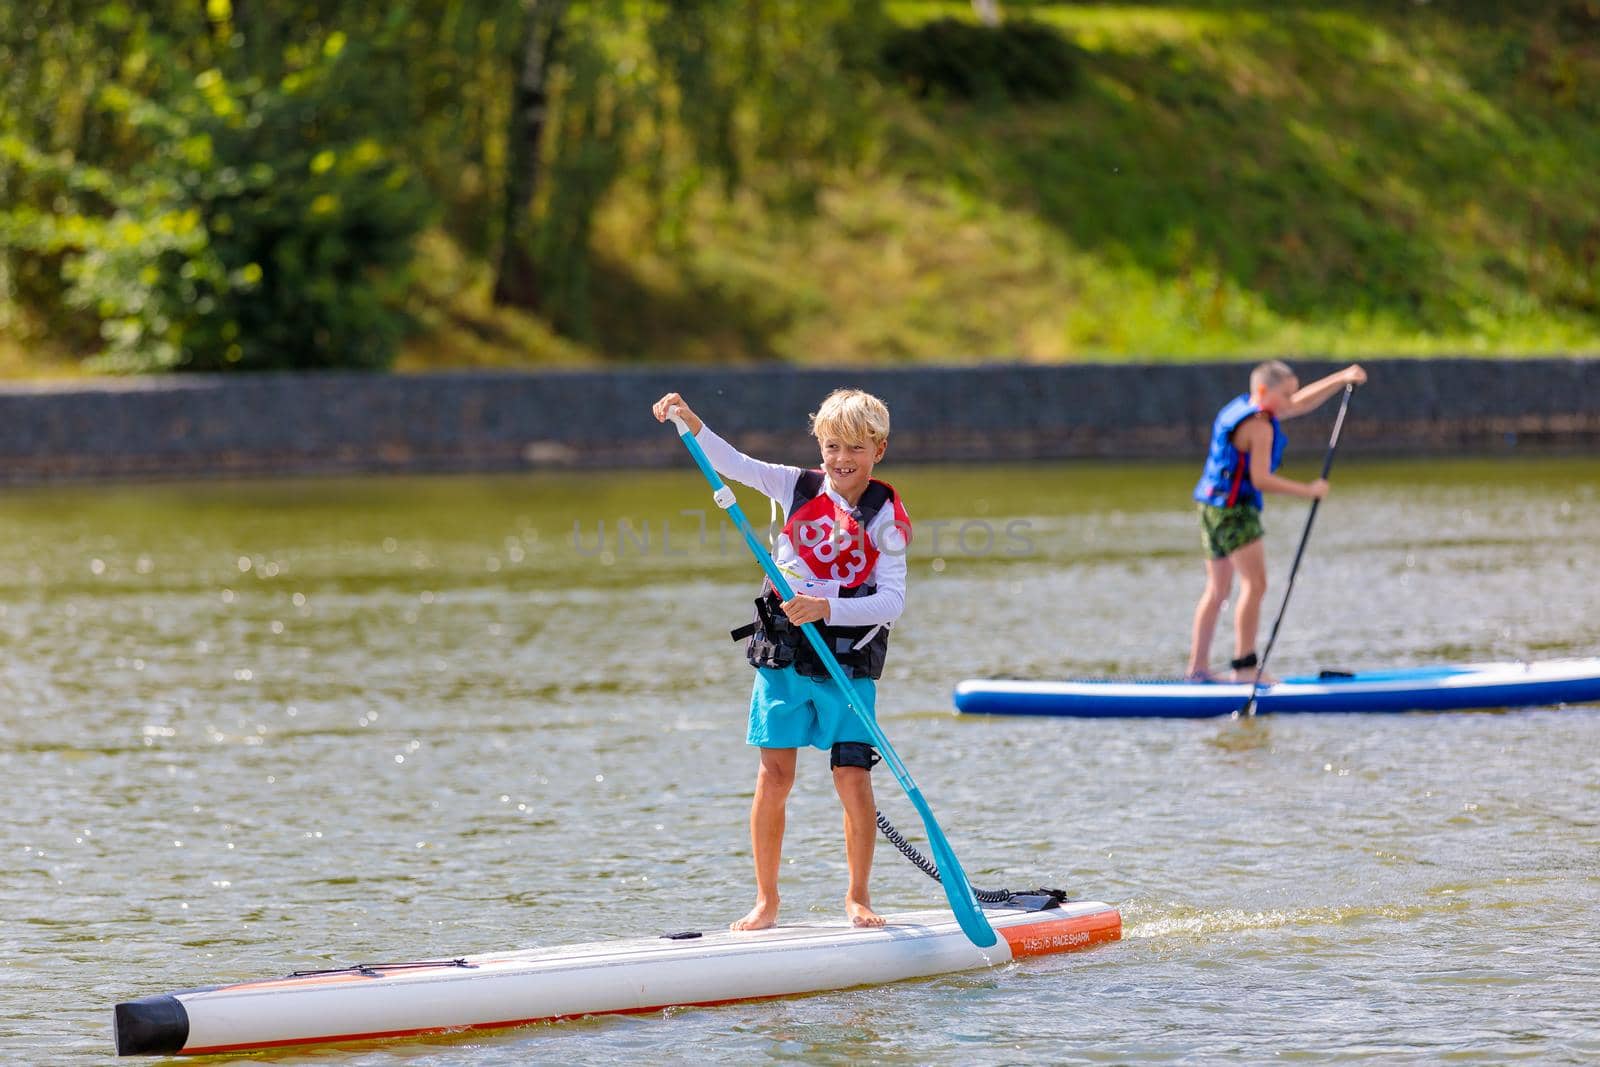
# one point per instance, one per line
(254, 728)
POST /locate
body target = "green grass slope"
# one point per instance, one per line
(1231, 179)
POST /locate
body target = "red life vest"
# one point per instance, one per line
(832, 541)
(835, 545)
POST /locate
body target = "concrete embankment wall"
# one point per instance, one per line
(295, 424)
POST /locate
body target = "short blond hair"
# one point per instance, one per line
(1269, 374)
(851, 416)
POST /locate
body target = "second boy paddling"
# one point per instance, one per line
(1247, 446)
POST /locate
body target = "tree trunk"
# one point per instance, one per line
(988, 11)
(517, 282)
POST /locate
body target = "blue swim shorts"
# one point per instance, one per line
(789, 710)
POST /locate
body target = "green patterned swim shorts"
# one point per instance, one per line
(1226, 530)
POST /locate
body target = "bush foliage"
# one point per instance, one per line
(1017, 60)
(191, 185)
(175, 206)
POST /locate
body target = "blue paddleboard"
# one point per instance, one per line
(1445, 688)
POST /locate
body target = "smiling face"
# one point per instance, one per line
(852, 430)
(848, 464)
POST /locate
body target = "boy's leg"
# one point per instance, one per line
(852, 757)
(1251, 563)
(1219, 579)
(767, 811)
(854, 785)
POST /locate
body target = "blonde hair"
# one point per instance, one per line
(851, 416)
(1269, 374)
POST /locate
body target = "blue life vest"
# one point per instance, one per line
(1226, 479)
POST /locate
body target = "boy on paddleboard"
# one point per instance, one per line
(1247, 446)
(843, 552)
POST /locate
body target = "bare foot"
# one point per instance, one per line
(861, 913)
(762, 916)
(1246, 677)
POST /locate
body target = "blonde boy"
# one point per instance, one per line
(843, 551)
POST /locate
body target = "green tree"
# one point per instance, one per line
(236, 183)
(542, 21)
(207, 192)
(707, 90)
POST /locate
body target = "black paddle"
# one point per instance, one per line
(1327, 465)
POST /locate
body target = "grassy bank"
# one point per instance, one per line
(1229, 179)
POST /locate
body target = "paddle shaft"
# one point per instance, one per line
(1305, 536)
(956, 887)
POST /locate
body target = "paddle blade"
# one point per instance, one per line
(956, 887)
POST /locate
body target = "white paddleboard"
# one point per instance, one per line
(605, 977)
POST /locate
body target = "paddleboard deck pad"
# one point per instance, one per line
(1445, 688)
(688, 969)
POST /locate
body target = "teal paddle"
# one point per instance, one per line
(1249, 708)
(956, 887)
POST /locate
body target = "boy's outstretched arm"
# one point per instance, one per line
(1310, 397)
(773, 479)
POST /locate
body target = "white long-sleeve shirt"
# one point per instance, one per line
(777, 481)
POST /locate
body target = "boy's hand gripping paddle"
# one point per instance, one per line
(1249, 708)
(956, 887)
